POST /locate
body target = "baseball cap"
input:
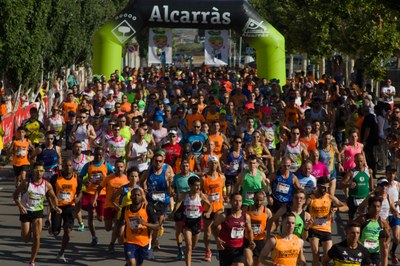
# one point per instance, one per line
(110, 92)
(213, 158)
(382, 182)
(172, 132)
(158, 118)
(160, 152)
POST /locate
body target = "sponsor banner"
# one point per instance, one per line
(7, 122)
(22, 114)
(216, 47)
(160, 46)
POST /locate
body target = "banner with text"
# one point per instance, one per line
(216, 47)
(160, 46)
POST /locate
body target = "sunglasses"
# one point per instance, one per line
(39, 170)
(238, 142)
(82, 117)
(50, 138)
(197, 126)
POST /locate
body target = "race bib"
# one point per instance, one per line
(234, 166)
(35, 201)
(64, 196)
(250, 195)
(134, 223)
(282, 188)
(213, 197)
(321, 221)
(21, 152)
(237, 232)
(158, 196)
(96, 178)
(256, 228)
(370, 244)
(192, 212)
(48, 174)
(357, 202)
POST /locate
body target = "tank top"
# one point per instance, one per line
(270, 136)
(126, 134)
(49, 157)
(258, 223)
(124, 200)
(82, 136)
(211, 117)
(78, 164)
(361, 191)
(370, 232)
(316, 115)
(294, 153)
(349, 153)
(299, 226)
(328, 158)
(320, 209)
(192, 208)
(282, 188)
(65, 190)
(393, 192)
(214, 190)
(135, 233)
(34, 196)
(218, 140)
(385, 208)
(56, 124)
(233, 163)
(247, 138)
(157, 186)
(286, 251)
(20, 156)
(95, 177)
(310, 144)
(258, 150)
(251, 185)
(116, 149)
(232, 230)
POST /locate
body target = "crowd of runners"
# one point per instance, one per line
(252, 164)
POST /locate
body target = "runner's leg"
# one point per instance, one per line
(36, 230)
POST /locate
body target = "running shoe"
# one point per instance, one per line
(150, 255)
(81, 227)
(61, 258)
(180, 256)
(156, 246)
(111, 249)
(31, 263)
(95, 240)
(207, 257)
(395, 260)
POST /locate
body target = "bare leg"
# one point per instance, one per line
(36, 230)
(65, 240)
(314, 242)
(26, 232)
(189, 246)
(91, 222)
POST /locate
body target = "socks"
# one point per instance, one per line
(180, 247)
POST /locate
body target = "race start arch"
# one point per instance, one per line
(237, 15)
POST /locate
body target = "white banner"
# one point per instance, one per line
(216, 47)
(160, 46)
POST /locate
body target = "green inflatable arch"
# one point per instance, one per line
(203, 14)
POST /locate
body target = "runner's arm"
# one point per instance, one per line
(275, 219)
(302, 258)
(20, 190)
(114, 196)
(239, 182)
(296, 182)
(204, 198)
(215, 227)
(264, 255)
(52, 198)
(342, 207)
(345, 183)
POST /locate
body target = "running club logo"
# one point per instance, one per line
(123, 31)
(255, 28)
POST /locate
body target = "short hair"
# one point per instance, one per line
(235, 194)
(323, 180)
(252, 157)
(287, 215)
(352, 224)
(131, 170)
(193, 179)
(371, 200)
(298, 191)
(38, 164)
(119, 161)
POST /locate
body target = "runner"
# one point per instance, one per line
(84, 132)
(139, 219)
(322, 206)
(306, 179)
(56, 124)
(294, 149)
(115, 146)
(50, 155)
(229, 230)
(111, 183)
(192, 202)
(259, 216)
(92, 175)
(286, 249)
(213, 183)
(20, 150)
(349, 251)
(393, 192)
(33, 126)
(67, 186)
(31, 207)
(233, 164)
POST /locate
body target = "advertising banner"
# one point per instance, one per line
(22, 114)
(160, 46)
(216, 47)
(7, 123)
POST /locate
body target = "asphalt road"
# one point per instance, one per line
(15, 252)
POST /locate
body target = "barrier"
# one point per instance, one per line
(8, 124)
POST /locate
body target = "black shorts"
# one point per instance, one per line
(30, 216)
(193, 225)
(229, 255)
(178, 215)
(375, 258)
(160, 207)
(230, 180)
(276, 205)
(259, 246)
(19, 169)
(352, 207)
(212, 215)
(65, 219)
(322, 236)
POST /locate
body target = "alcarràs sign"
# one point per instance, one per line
(165, 15)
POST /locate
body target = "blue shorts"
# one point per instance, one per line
(136, 252)
(393, 221)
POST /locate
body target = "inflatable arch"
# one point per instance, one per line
(203, 14)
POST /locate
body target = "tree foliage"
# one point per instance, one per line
(46, 35)
(363, 29)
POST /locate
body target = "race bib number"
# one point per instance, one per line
(158, 196)
(370, 244)
(321, 221)
(134, 223)
(21, 152)
(48, 174)
(250, 195)
(283, 188)
(237, 232)
(214, 197)
(357, 202)
(64, 196)
(35, 201)
(256, 229)
(96, 178)
(192, 213)
(234, 166)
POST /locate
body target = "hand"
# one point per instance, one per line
(143, 157)
(220, 244)
(141, 221)
(58, 210)
(22, 210)
(252, 245)
(308, 223)
(117, 207)
(207, 215)
(94, 204)
(353, 185)
(77, 200)
(341, 169)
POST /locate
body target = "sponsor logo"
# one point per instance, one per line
(164, 14)
(255, 28)
(123, 31)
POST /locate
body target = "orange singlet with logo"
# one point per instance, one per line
(20, 156)
(218, 141)
(320, 211)
(95, 179)
(286, 251)
(258, 223)
(136, 233)
(214, 190)
(66, 190)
